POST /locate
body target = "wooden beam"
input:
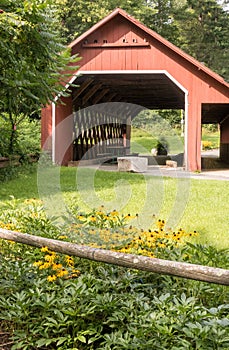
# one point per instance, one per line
(111, 96)
(82, 88)
(166, 267)
(90, 93)
(116, 45)
(100, 96)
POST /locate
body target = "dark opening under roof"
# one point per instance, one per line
(150, 90)
(213, 113)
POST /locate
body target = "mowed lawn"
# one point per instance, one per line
(200, 205)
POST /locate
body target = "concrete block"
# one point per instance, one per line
(133, 164)
(171, 163)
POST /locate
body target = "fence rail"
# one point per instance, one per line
(180, 269)
(17, 160)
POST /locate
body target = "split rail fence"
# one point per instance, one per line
(180, 269)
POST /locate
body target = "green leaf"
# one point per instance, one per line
(61, 340)
(81, 338)
(44, 341)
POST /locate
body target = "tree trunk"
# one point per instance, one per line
(167, 267)
(12, 135)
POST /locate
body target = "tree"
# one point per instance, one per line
(32, 60)
(204, 29)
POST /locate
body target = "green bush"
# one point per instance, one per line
(27, 140)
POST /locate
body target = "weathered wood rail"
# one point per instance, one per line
(17, 160)
(180, 269)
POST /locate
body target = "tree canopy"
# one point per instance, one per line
(32, 58)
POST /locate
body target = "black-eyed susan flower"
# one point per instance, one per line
(37, 263)
(62, 273)
(44, 266)
(69, 260)
(62, 237)
(52, 278)
(50, 258)
(57, 266)
(44, 249)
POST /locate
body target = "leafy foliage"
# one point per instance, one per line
(205, 28)
(84, 310)
(32, 60)
(87, 312)
(27, 137)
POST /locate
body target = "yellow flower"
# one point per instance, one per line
(160, 224)
(51, 278)
(75, 273)
(57, 266)
(100, 213)
(46, 265)
(62, 237)
(129, 217)
(50, 258)
(69, 260)
(44, 249)
(37, 263)
(114, 213)
(161, 245)
(62, 273)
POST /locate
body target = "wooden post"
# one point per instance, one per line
(167, 267)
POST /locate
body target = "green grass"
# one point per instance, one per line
(212, 137)
(143, 141)
(204, 207)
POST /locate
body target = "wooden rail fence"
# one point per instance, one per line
(180, 269)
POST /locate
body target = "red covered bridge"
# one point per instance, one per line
(124, 61)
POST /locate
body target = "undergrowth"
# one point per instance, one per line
(54, 301)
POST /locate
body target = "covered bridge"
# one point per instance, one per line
(124, 61)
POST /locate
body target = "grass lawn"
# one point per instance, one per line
(143, 141)
(212, 137)
(201, 205)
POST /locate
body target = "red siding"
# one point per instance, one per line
(63, 130)
(46, 128)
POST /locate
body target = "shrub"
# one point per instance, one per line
(27, 139)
